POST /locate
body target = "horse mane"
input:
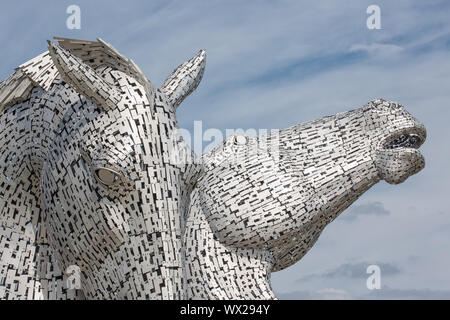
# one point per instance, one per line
(41, 71)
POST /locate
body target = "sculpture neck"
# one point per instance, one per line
(216, 271)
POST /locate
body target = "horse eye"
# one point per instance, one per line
(106, 176)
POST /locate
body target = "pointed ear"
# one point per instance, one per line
(185, 79)
(83, 79)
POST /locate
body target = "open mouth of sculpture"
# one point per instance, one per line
(404, 141)
(411, 138)
(399, 156)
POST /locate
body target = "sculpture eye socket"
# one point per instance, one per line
(106, 176)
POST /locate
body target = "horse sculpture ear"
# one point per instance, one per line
(185, 79)
(83, 79)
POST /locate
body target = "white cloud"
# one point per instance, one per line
(377, 49)
(333, 294)
(321, 294)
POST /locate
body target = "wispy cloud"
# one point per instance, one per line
(386, 293)
(375, 208)
(352, 271)
(377, 49)
(322, 294)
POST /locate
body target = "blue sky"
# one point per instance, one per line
(273, 64)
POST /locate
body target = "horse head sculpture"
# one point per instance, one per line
(262, 202)
(93, 176)
(92, 171)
